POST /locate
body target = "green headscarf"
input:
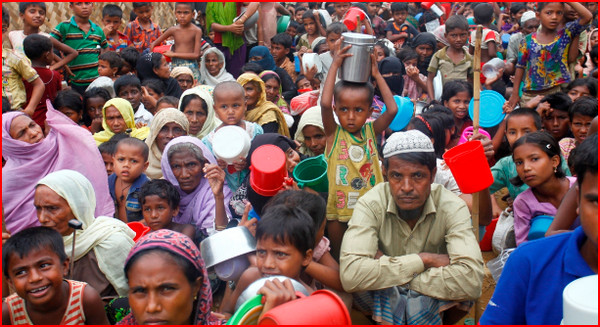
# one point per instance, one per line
(224, 13)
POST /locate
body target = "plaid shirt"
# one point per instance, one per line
(140, 37)
(118, 44)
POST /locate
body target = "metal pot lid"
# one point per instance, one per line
(358, 38)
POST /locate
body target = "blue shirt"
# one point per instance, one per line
(133, 207)
(530, 288)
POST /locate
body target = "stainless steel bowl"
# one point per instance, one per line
(253, 288)
(227, 244)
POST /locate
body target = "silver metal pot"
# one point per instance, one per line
(253, 288)
(357, 68)
(227, 244)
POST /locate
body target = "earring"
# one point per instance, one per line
(195, 297)
(555, 169)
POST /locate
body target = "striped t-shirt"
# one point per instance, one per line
(85, 66)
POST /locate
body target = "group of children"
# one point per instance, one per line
(120, 90)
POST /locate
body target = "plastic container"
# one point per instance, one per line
(248, 312)
(350, 18)
(491, 68)
(580, 302)
(469, 166)
(539, 227)
(296, 63)
(486, 242)
(322, 307)
(230, 143)
(357, 68)
(312, 59)
(139, 229)
(267, 170)
(233, 268)
(468, 132)
(282, 23)
(312, 172)
(404, 114)
(162, 49)
(490, 109)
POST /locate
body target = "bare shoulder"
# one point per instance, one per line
(93, 307)
(5, 314)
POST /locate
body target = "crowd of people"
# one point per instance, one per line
(110, 123)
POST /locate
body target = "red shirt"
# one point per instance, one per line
(52, 82)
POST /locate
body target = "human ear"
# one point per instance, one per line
(65, 266)
(307, 258)
(175, 211)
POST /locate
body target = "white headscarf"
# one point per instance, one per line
(211, 121)
(110, 238)
(163, 117)
(206, 78)
(311, 117)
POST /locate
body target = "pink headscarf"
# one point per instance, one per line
(196, 208)
(67, 146)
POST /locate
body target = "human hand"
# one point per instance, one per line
(510, 104)
(5, 237)
(29, 111)
(310, 73)
(240, 164)
(543, 109)
(216, 178)
(339, 53)
(534, 102)
(374, 68)
(276, 293)
(378, 254)
(169, 53)
(249, 224)
(222, 164)
(140, 125)
(237, 29)
(412, 72)
(490, 81)
(96, 125)
(434, 260)
(487, 144)
(289, 184)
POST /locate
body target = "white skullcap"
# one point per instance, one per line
(407, 142)
(527, 16)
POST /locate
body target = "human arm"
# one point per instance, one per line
(392, 37)
(276, 293)
(5, 310)
(522, 215)
(162, 37)
(514, 98)
(36, 96)
(288, 87)
(320, 27)
(585, 16)
(430, 91)
(237, 29)
(499, 136)
(216, 178)
(70, 54)
(565, 214)
(492, 49)
(326, 271)
(281, 9)
(413, 73)
(189, 55)
(93, 307)
(383, 121)
(329, 124)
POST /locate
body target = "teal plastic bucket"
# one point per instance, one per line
(539, 227)
(312, 172)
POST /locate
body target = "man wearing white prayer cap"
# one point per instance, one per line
(528, 24)
(409, 253)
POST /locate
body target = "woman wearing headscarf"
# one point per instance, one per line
(190, 166)
(154, 65)
(212, 68)
(195, 103)
(101, 245)
(30, 156)
(262, 56)
(425, 44)
(160, 257)
(258, 109)
(168, 124)
(121, 124)
(276, 98)
(392, 70)
(185, 77)
(219, 19)
(313, 139)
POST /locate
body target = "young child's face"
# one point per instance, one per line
(580, 126)
(399, 16)
(52, 210)
(273, 258)
(517, 126)
(230, 106)
(143, 13)
(112, 23)
(73, 114)
(213, 65)
(353, 108)
(38, 277)
(341, 8)
(279, 52)
(410, 63)
(310, 26)
(373, 8)
(184, 14)
(298, 16)
(303, 84)
(34, 16)
(168, 132)
(331, 39)
(129, 163)
(551, 15)
(104, 69)
(94, 107)
(588, 206)
(157, 212)
(379, 54)
(534, 166)
(459, 104)
(108, 162)
(457, 38)
(517, 17)
(196, 115)
(292, 159)
(131, 93)
(578, 91)
(557, 124)
(115, 120)
(292, 31)
(82, 9)
(594, 39)
(314, 139)
(272, 90)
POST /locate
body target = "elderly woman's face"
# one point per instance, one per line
(252, 91)
(167, 133)
(115, 121)
(159, 292)
(52, 210)
(213, 65)
(187, 169)
(185, 81)
(24, 129)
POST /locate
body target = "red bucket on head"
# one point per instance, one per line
(322, 307)
(469, 166)
(350, 18)
(267, 170)
(139, 229)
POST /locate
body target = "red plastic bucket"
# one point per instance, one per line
(267, 170)
(350, 18)
(139, 229)
(469, 166)
(486, 242)
(162, 49)
(322, 307)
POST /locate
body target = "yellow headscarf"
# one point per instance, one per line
(259, 113)
(163, 117)
(126, 111)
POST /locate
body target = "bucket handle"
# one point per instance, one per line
(299, 295)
